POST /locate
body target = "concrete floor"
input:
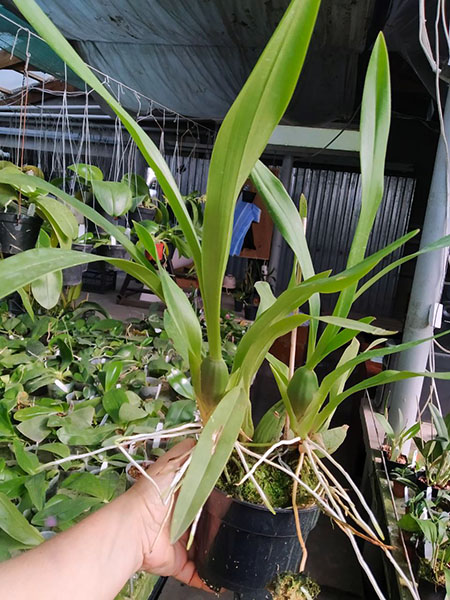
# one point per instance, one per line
(331, 560)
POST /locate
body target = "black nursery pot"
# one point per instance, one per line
(242, 546)
(18, 233)
(429, 591)
(74, 275)
(143, 214)
(250, 311)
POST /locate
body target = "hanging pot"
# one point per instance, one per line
(242, 546)
(142, 214)
(18, 233)
(74, 275)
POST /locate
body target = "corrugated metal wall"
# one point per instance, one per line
(334, 198)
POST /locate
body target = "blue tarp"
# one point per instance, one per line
(245, 214)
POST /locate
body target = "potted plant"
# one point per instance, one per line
(23, 211)
(427, 526)
(396, 440)
(143, 206)
(435, 454)
(222, 397)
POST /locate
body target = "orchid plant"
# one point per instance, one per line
(222, 395)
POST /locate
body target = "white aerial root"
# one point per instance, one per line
(252, 479)
(187, 429)
(265, 455)
(334, 505)
(140, 469)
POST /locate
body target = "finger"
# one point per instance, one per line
(189, 576)
(173, 458)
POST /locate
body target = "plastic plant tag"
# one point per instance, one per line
(157, 439)
(81, 229)
(31, 210)
(406, 494)
(113, 241)
(62, 386)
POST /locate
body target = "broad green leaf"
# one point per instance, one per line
(210, 455)
(13, 488)
(99, 486)
(112, 401)
(387, 428)
(44, 27)
(35, 428)
(266, 296)
(26, 302)
(56, 448)
(288, 221)
(36, 486)
(180, 383)
(60, 218)
(6, 428)
(114, 197)
(181, 411)
(269, 429)
(74, 435)
(175, 335)
(130, 412)
(112, 372)
(331, 439)
(26, 460)
(15, 525)
(241, 140)
(87, 172)
(64, 509)
(47, 289)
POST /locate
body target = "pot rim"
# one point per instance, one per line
(264, 508)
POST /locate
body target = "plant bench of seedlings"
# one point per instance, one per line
(387, 508)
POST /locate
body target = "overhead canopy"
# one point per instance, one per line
(194, 57)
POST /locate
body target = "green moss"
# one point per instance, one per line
(293, 586)
(276, 485)
(426, 572)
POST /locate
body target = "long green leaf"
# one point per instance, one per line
(441, 243)
(288, 221)
(328, 337)
(186, 321)
(21, 269)
(42, 24)
(294, 297)
(266, 296)
(241, 140)
(374, 127)
(330, 379)
(211, 454)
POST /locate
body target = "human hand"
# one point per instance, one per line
(159, 556)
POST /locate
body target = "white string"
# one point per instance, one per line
(124, 86)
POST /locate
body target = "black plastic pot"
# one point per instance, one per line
(115, 251)
(142, 214)
(428, 591)
(238, 305)
(74, 275)
(242, 546)
(250, 311)
(18, 233)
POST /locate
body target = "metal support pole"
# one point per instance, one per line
(426, 291)
(277, 238)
